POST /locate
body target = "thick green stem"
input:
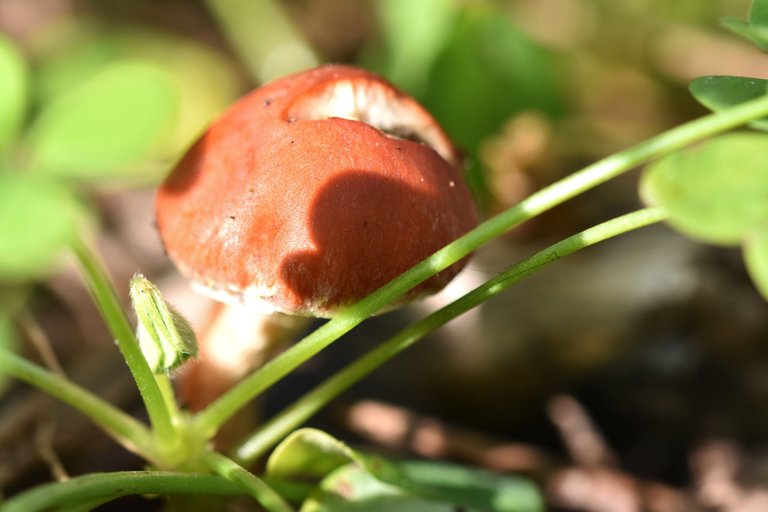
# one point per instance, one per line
(122, 427)
(98, 488)
(295, 415)
(222, 409)
(108, 303)
(253, 485)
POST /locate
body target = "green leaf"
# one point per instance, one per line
(450, 488)
(473, 488)
(206, 80)
(38, 218)
(106, 126)
(756, 257)
(758, 13)
(487, 71)
(352, 489)
(756, 29)
(13, 92)
(308, 455)
(758, 35)
(353, 480)
(716, 192)
(165, 337)
(721, 92)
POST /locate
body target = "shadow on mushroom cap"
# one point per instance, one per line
(367, 229)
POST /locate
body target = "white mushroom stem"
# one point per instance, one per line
(236, 341)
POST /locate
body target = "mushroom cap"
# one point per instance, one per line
(313, 191)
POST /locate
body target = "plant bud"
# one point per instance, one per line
(165, 337)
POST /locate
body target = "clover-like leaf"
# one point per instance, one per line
(38, 218)
(433, 487)
(721, 92)
(716, 192)
(107, 125)
(309, 455)
(758, 13)
(756, 28)
(13, 92)
(353, 480)
(757, 34)
(306, 455)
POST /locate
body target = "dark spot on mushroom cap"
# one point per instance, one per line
(267, 102)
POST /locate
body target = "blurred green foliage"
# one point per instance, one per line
(105, 126)
(111, 106)
(203, 80)
(470, 66)
(13, 93)
(718, 193)
(38, 218)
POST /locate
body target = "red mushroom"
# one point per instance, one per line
(312, 192)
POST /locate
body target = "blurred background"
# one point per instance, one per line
(632, 376)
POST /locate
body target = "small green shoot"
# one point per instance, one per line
(165, 336)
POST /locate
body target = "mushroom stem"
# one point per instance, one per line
(236, 341)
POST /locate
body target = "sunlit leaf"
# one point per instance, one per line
(13, 92)
(206, 79)
(307, 455)
(435, 487)
(107, 125)
(720, 92)
(37, 220)
(716, 192)
(756, 257)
